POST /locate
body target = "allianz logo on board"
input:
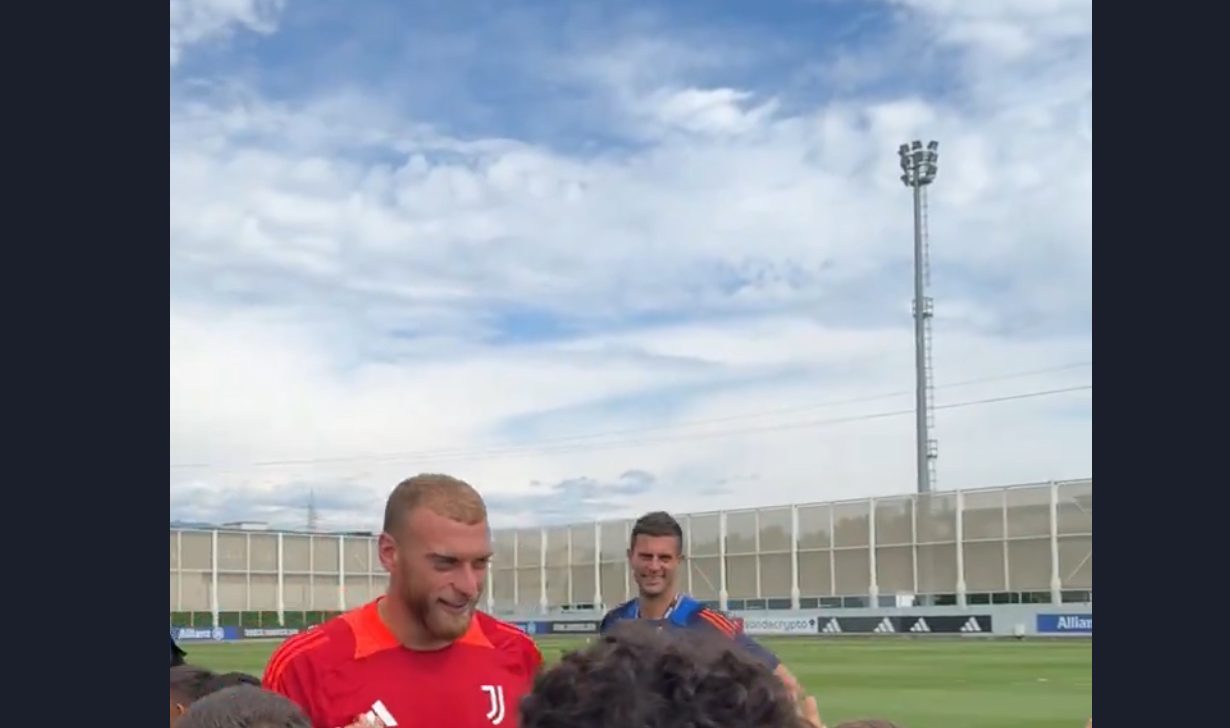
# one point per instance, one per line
(1075, 622)
(1065, 623)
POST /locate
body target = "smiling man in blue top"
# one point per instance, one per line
(654, 555)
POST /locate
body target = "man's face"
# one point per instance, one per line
(654, 561)
(438, 567)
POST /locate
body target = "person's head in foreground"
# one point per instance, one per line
(638, 675)
(189, 683)
(244, 706)
(436, 547)
(177, 654)
(230, 680)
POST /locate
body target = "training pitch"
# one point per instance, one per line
(918, 683)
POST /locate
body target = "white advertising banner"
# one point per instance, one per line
(779, 625)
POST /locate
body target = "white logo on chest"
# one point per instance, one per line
(495, 693)
(381, 713)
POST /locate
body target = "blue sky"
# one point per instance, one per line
(416, 236)
(502, 69)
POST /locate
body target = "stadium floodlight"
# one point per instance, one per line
(920, 166)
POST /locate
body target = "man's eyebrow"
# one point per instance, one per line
(450, 557)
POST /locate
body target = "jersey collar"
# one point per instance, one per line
(670, 608)
(372, 635)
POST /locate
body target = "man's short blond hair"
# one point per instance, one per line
(441, 494)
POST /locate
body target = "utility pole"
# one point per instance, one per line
(919, 167)
(312, 517)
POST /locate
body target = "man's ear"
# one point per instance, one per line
(386, 549)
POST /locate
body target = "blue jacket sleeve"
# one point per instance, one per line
(754, 648)
(757, 650)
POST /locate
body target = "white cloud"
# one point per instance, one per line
(720, 111)
(474, 223)
(197, 21)
(250, 390)
(1008, 29)
(339, 270)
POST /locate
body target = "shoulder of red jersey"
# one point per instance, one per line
(333, 641)
(510, 640)
(503, 635)
(352, 636)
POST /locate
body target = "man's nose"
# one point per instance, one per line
(468, 582)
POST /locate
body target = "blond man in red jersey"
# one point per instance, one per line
(422, 655)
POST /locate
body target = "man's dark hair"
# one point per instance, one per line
(177, 654)
(230, 680)
(190, 683)
(658, 523)
(244, 706)
(637, 675)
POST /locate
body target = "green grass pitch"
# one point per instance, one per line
(919, 683)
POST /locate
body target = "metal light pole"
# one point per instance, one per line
(918, 166)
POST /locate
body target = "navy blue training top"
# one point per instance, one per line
(687, 613)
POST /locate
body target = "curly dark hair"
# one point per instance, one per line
(638, 676)
(230, 680)
(244, 706)
(190, 683)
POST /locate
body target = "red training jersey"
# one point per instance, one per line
(352, 665)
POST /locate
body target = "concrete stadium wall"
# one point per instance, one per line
(1028, 543)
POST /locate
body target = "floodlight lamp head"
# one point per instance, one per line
(919, 163)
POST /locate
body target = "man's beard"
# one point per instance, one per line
(439, 622)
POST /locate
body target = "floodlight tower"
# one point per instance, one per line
(919, 166)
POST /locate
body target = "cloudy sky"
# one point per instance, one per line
(605, 257)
